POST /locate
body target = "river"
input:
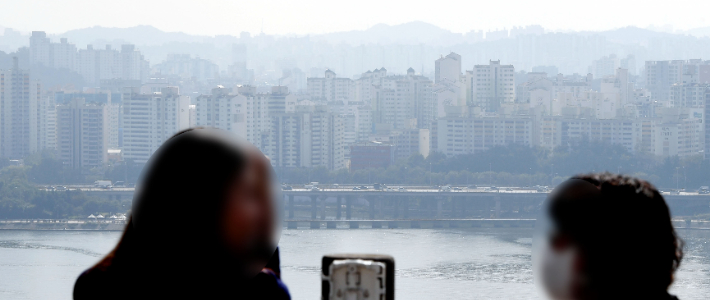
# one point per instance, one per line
(482, 263)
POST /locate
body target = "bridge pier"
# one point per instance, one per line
(290, 206)
(406, 206)
(454, 212)
(292, 224)
(380, 204)
(338, 214)
(438, 207)
(464, 203)
(348, 208)
(314, 207)
(395, 212)
(372, 208)
(323, 209)
(497, 209)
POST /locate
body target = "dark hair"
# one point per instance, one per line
(171, 243)
(623, 229)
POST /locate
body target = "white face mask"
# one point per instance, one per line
(557, 268)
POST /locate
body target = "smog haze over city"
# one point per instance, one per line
(423, 124)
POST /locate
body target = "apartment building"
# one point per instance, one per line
(19, 113)
(331, 88)
(311, 136)
(150, 119)
(447, 67)
(472, 134)
(83, 133)
(490, 86)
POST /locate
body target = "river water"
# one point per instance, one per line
(482, 263)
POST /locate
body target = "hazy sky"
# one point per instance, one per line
(210, 17)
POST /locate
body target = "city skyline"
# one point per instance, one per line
(287, 18)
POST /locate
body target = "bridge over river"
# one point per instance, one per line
(423, 205)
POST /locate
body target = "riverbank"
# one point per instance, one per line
(60, 225)
(55, 225)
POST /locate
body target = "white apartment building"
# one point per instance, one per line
(185, 66)
(691, 95)
(364, 91)
(40, 49)
(660, 76)
(401, 98)
(47, 123)
(310, 137)
(222, 110)
(245, 113)
(150, 119)
(331, 88)
(64, 55)
(553, 132)
(605, 66)
(678, 132)
(93, 65)
(363, 122)
(490, 86)
(448, 67)
(19, 113)
(468, 134)
(83, 133)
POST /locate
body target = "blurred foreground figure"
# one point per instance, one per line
(606, 236)
(203, 226)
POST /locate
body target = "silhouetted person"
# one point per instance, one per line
(203, 226)
(608, 237)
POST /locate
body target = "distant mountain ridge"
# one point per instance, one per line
(408, 33)
(139, 35)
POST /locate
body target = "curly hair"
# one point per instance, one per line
(623, 228)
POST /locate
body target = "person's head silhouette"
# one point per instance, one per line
(203, 222)
(608, 237)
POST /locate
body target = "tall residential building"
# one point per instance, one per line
(330, 88)
(19, 112)
(47, 123)
(310, 137)
(97, 65)
(223, 110)
(491, 85)
(40, 49)
(688, 95)
(63, 55)
(92, 96)
(238, 68)
(259, 108)
(674, 132)
(83, 133)
(150, 119)
(660, 76)
(364, 91)
(605, 66)
(246, 112)
(448, 67)
(629, 63)
(398, 99)
(185, 66)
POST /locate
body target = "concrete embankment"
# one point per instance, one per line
(331, 224)
(59, 225)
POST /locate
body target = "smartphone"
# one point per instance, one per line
(357, 277)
